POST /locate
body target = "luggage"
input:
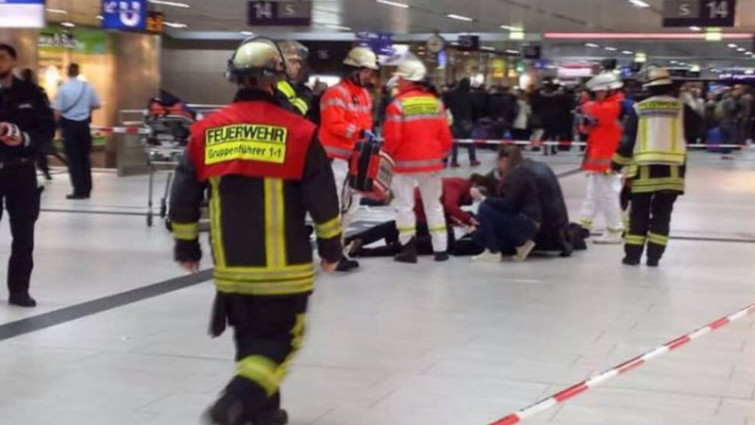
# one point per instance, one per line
(715, 138)
(371, 170)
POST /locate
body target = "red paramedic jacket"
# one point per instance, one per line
(345, 111)
(605, 135)
(416, 132)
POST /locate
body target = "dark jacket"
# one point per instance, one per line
(504, 106)
(25, 105)
(552, 234)
(266, 170)
(519, 194)
(459, 101)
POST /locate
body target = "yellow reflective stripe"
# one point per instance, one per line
(286, 89)
(185, 231)
(674, 172)
(621, 160)
(438, 229)
(660, 157)
(260, 370)
(644, 173)
(263, 274)
(634, 240)
(587, 224)
(216, 231)
(330, 229)
(297, 339)
(657, 239)
(674, 134)
(286, 287)
(275, 227)
(301, 105)
(407, 229)
(644, 135)
(658, 181)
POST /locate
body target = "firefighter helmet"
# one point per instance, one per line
(362, 57)
(658, 76)
(257, 56)
(606, 80)
(412, 69)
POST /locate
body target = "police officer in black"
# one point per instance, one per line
(25, 119)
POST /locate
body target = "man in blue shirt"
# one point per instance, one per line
(73, 110)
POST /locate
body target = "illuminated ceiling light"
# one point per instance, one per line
(488, 48)
(511, 28)
(516, 35)
(393, 3)
(639, 3)
(175, 24)
(611, 49)
(460, 17)
(741, 49)
(732, 46)
(338, 27)
(68, 24)
(713, 36)
(673, 62)
(57, 11)
(640, 36)
(100, 17)
(249, 33)
(695, 68)
(593, 45)
(695, 28)
(512, 51)
(749, 72)
(627, 52)
(170, 3)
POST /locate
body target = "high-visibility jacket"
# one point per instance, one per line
(289, 93)
(416, 132)
(265, 170)
(605, 133)
(654, 147)
(345, 112)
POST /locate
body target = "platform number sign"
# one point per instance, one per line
(280, 13)
(701, 13)
(128, 15)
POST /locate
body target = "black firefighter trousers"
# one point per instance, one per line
(268, 331)
(649, 221)
(20, 195)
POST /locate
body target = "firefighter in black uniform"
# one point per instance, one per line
(654, 149)
(292, 88)
(25, 120)
(265, 170)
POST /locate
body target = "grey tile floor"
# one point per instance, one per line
(458, 343)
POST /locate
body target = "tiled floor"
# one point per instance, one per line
(457, 343)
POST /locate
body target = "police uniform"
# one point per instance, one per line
(654, 149)
(265, 170)
(26, 106)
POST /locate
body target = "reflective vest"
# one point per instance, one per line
(660, 132)
(345, 111)
(289, 92)
(416, 132)
(605, 135)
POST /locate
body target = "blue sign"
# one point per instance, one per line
(380, 42)
(124, 15)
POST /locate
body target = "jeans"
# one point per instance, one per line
(503, 231)
(463, 130)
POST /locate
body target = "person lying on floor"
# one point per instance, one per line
(456, 193)
(510, 218)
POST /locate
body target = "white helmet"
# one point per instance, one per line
(362, 57)
(606, 80)
(658, 76)
(410, 68)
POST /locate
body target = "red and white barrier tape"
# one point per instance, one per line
(120, 130)
(623, 368)
(536, 143)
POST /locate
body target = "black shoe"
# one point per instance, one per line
(352, 249)
(408, 254)
(75, 197)
(630, 261)
(22, 300)
(346, 265)
(226, 411)
(653, 262)
(441, 257)
(272, 417)
(48, 176)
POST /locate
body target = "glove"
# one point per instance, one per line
(11, 135)
(368, 135)
(187, 251)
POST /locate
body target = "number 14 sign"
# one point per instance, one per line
(701, 13)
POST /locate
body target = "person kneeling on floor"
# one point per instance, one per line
(510, 219)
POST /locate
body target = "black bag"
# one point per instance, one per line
(578, 235)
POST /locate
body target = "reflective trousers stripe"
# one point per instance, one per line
(185, 231)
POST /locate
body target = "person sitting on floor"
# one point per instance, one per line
(456, 193)
(511, 217)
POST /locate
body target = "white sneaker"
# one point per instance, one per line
(610, 238)
(487, 257)
(524, 251)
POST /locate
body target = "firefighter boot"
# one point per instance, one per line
(408, 253)
(228, 410)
